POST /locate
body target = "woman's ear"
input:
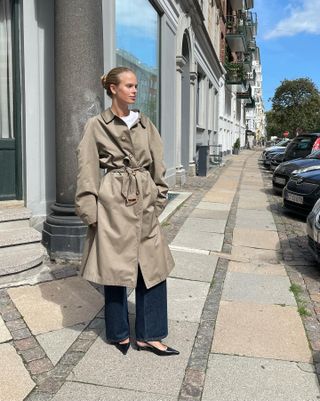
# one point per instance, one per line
(113, 89)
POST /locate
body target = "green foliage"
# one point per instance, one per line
(296, 104)
(236, 144)
(297, 292)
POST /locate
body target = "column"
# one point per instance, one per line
(192, 130)
(180, 171)
(78, 96)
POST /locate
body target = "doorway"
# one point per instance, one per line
(10, 101)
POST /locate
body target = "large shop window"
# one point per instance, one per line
(137, 42)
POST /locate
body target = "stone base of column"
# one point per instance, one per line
(192, 169)
(180, 176)
(64, 233)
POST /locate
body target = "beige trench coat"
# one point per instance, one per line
(125, 202)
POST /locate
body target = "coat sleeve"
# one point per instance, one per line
(158, 169)
(88, 178)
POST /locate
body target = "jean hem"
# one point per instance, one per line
(112, 341)
(158, 338)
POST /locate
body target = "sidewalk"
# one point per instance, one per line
(231, 314)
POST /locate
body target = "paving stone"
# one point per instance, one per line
(39, 396)
(20, 334)
(54, 305)
(81, 392)
(267, 331)
(26, 343)
(221, 186)
(253, 255)
(32, 354)
(210, 214)
(257, 268)
(16, 324)
(198, 225)
(56, 343)
(252, 203)
(255, 219)
(193, 266)
(193, 384)
(256, 238)
(213, 206)
(185, 299)
(40, 366)
(4, 332)
(219, 196)
(202, 240)
(104, 365)
(50, 385)
(71, 358)
(11, 315)
(15, 382)
(234, 378)
(81, 345)
(257, 288)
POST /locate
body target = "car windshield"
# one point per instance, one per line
(282, 142)
(314, 155)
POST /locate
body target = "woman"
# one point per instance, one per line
(125, 246)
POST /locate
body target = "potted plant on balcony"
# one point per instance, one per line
(235, 72)
(236, 147)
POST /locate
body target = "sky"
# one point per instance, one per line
(289, 41)
(138, 35)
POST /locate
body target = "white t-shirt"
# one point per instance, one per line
(131, 118)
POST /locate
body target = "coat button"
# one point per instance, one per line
(130, 156)
(123, 138)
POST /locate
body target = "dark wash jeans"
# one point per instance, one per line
(151, 312)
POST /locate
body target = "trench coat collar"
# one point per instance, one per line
(108, 116)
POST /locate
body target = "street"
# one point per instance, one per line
(243, 310)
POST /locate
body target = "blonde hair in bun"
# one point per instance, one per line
(112, 77)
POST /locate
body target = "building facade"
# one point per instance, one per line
(183, 52)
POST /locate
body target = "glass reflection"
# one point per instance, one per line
(137, 47)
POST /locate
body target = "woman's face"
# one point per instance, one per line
(126, 90)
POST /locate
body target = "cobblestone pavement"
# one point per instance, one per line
(65, 376)
(301, 266)
(48, 377)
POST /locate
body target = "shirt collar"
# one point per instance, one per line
(108, 116)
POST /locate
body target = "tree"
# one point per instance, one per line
(295, 105)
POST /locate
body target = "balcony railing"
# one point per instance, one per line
(236, 74)
(251, 76)
(245, 95)
(236, 34)
(247, 61)
(251, 23)
(252, 45)
(241, 30)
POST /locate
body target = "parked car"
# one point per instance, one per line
(282, 144)
(302, 190)
(313, 230)
(269, 155)
(282, 172)
(302, 145)
(276, 160)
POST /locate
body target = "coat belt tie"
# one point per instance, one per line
(130, 189)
